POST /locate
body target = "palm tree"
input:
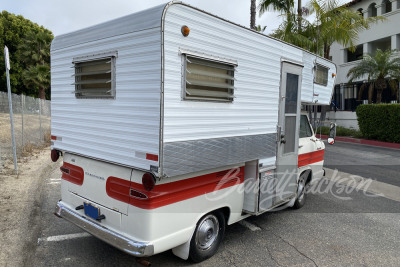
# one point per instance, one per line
(253, 14)
(336, 23)
(35, 53)
(260, 28)
(378, 68)
(38, 76)
(283, 6)
(289, 32)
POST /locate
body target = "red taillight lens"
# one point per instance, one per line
(148, 181)
(55, 155)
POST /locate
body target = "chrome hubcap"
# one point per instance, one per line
(301, 189)
(207, 232)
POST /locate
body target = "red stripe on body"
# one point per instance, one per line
(310, 158)
(166, 194)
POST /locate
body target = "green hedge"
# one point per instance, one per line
(380, 122)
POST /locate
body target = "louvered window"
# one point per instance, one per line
(208, 80)
(95, 78)
(321, 75)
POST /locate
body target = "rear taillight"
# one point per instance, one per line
(148, 181)
(55, 155)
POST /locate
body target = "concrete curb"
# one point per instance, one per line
(362, 141)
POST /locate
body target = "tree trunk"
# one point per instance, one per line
(380, 86)
(379, 96)
(299, 15)
(42, 94)
(253, 14)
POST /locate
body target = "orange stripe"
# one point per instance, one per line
(166, 194)
(310, 158)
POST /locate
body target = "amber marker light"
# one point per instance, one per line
(333, 75)
(185, 30)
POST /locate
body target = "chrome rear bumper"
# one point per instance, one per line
(123, 243)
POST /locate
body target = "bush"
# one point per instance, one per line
(380, 122)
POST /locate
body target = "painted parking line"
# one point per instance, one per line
(250, 226)
(59, 182)
(58, 238)
(55, 179)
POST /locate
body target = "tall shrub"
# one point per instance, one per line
(380, 122)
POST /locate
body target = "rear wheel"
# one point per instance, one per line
(207, 236)
(301, 192)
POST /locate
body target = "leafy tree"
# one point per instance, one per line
(13, 30)
(378, 68)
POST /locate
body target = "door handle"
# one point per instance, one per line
(283, 140)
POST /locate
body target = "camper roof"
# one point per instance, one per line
(146, 19)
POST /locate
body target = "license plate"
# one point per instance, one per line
(91, 211)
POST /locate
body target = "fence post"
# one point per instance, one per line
(40, 119)
(7, 64)
(22, 117)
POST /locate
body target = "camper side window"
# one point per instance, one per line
(208, 80)
(321, 75)
(95, 78)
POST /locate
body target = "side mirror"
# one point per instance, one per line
(332, 133)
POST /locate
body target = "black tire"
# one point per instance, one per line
(301, 192)
(207, 237)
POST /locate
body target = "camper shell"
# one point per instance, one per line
(146, 124)
(191, 100)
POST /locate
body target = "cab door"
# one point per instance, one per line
(288, 132)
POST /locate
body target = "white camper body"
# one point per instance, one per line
(202, 114)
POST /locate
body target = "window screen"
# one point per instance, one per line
(208, 80)
(95, 78)
(305, 129)
(321, 75)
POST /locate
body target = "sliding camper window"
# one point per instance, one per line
(321, 75)
(95, 78)
(208, 80)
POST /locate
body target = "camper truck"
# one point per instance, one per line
(173, 123)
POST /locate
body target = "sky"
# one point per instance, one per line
(63, 16)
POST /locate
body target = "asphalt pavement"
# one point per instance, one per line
(334, 228)
(378, 163)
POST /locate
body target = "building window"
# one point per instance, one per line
(95, 77)
(372, 11)
(321, 75)
(208, 80)
(356, 55)
(386, 6)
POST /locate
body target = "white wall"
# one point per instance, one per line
(388, 28)
(345, 119)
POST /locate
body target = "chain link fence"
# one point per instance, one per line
(31, 127)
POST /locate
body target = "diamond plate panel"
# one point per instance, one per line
(198, 155)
